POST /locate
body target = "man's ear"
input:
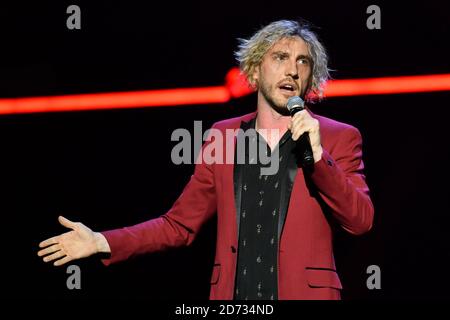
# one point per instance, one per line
(309, 91)
(310, 84)
(254, 79)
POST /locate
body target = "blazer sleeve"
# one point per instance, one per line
(178, 227)
(341, 183)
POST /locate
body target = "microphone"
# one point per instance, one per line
(294, 105)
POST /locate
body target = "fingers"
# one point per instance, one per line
(62, 261)
(301, 128)
(298, 128)
(300, 117)
(301, 114)
(302, 122)
(51, 249)
(297, 134)
(48, 242)
(56, 255)
(66, 222)
(297, 119)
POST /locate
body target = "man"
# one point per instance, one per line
(274, 234)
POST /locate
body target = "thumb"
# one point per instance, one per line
(66, 222)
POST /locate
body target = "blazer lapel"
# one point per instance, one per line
(237, 172)
(286, 190)
(288, 183)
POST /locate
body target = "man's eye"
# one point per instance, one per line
(303, 61)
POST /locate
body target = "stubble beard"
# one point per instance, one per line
(268, 94)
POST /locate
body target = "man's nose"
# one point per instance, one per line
(292, 70)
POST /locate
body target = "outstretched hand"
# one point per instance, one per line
(80, 242)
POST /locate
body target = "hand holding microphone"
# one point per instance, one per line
(305, 130)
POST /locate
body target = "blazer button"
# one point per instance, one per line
(330, 163)
(233, 249)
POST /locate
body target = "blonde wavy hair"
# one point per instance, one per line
(251, 52)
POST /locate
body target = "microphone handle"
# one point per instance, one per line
(306, 154)
(304, 144)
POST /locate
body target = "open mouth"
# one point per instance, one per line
(287, 88)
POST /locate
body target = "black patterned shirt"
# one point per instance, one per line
(257, 264)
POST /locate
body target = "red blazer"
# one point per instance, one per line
(334, 192)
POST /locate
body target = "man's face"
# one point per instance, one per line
(285, 71)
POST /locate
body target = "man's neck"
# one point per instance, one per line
(270, 120)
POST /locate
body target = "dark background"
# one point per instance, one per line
(110, 169)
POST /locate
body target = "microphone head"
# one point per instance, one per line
(295, 102)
